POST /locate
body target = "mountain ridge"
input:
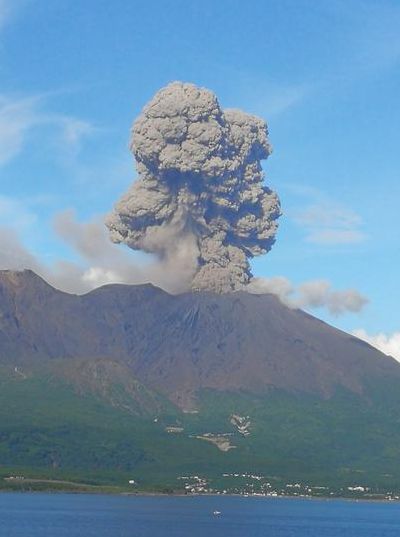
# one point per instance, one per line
(180, 344)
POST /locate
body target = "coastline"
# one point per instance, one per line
(100, 491)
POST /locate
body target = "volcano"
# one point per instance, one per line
(179, 368)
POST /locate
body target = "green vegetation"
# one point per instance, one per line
(61, 434)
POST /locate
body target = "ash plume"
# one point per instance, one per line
(199, 197)
(311, 294)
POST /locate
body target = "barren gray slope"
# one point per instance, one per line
(178, 344)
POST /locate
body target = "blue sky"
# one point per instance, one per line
(325, 75)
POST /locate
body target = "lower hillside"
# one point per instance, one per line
(92, 424)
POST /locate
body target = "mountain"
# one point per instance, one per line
(180, 344)
(130, 379)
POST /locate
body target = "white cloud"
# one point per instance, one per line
(286, 98)
(388, 344)
(73, 129)
(327, 223)
(328, 215)
(335, 236)
(19, 116)
(259, 93)
(271, 99)
(311, 294)
(97, 276)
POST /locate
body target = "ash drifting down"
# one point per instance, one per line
(199, 198)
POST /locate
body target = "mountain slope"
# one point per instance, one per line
(55, 426)
(181, 344)
(129, 381)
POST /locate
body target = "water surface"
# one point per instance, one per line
(85, 515)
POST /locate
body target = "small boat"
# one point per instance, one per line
(216, 513)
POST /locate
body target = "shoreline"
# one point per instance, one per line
(144, 494)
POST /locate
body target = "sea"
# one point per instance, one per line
(85, 515)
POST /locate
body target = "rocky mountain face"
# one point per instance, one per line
(179, 345)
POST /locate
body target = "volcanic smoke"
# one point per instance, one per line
(199, 198)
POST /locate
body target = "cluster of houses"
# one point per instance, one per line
(249, 484)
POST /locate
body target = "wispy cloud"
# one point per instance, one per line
(271, 99)
(20, 116)
(329, 224)
(335, 236)
(323, 220)
(260, 94)
(388, 344)
(16, 213)
(312, 294)
(365, 43)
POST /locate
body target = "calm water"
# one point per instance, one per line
(63, 515)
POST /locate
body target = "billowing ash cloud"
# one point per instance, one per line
(99, 262)
(200, 192)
